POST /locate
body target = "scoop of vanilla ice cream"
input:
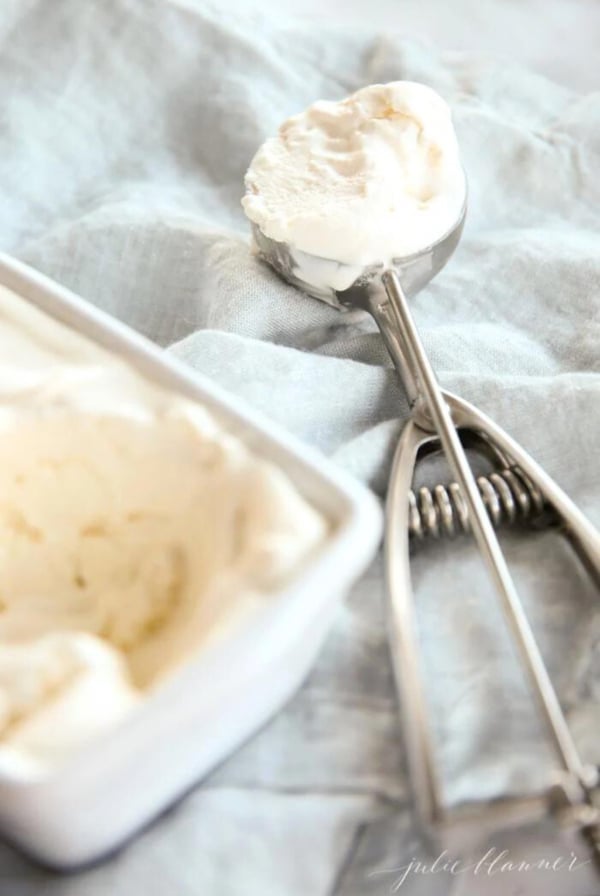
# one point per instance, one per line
(133, 530)
(374, 177)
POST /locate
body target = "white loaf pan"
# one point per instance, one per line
(102, 794)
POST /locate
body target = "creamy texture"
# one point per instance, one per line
(374, 177)
(133, 529)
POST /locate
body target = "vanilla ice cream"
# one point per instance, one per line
(363, 181)
(133, 530)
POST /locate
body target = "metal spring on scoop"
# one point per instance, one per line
(509, 496)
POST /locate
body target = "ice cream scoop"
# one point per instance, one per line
(382, 287)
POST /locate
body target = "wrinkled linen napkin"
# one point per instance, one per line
(126, 131)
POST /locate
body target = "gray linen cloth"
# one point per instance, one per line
(126, 131)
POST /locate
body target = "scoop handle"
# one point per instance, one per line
(423, 379)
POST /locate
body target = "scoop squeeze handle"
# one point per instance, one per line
(436, 414)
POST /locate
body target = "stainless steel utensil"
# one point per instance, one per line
(520, 490)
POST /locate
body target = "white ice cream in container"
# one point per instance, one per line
(131, 525)
(170, 564)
